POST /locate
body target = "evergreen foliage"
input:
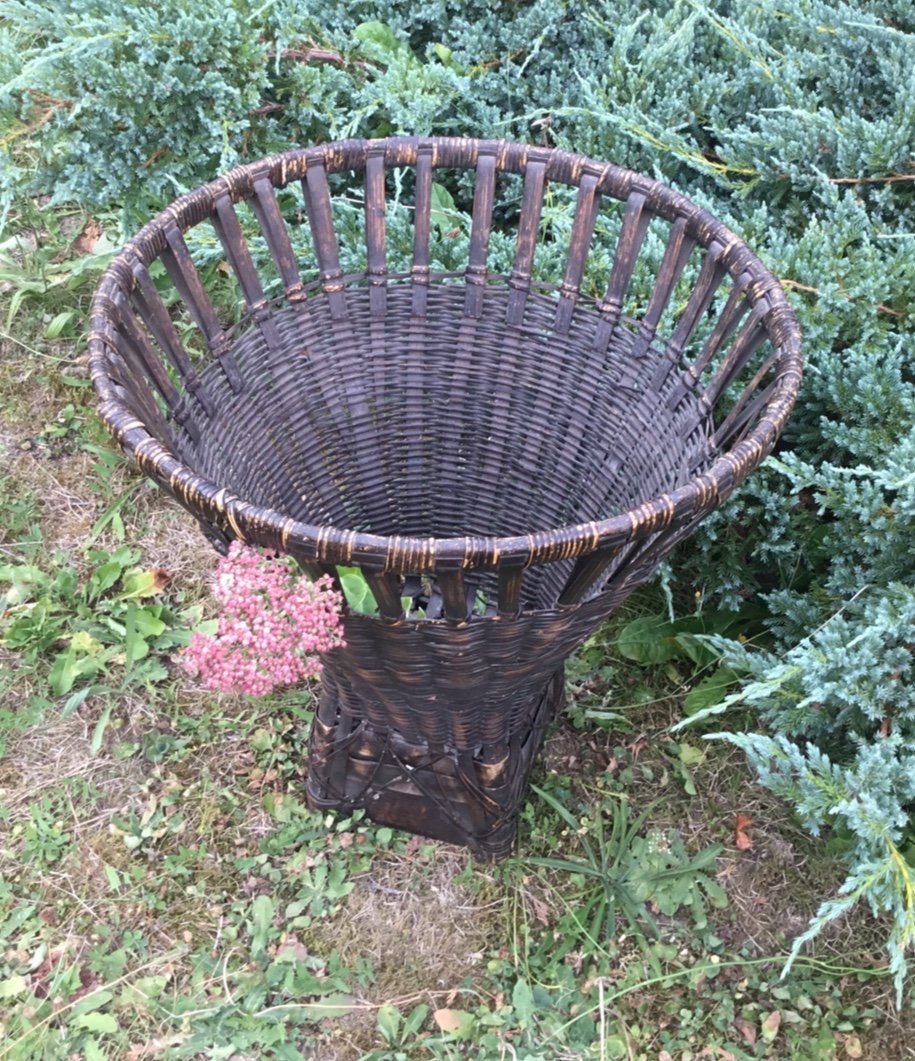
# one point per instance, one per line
(792, 121)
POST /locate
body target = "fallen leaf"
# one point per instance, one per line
(636, 748)
(85, 242)
(541, 911)
(153, 1048)
(746, 1029)
(451, 1020)
(770, 1026)
(15, 985)
(161, 579)
(414, 844)
(853, 1046)
(691, 756)
(103, 1023)
(741, 839)
(293, 950)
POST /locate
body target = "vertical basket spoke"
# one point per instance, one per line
(747, 407)
(526, 240)
(735, 308)
(480, 231)
(267, 211)
(454, 593)
(321, 219)
(152, 309)
(711, 275)
(510, 582)
(146, 357)
(145, 370)
(586, 573)
(751, 337)
(676, 255)
(422, 220)
(385, 587)
(586, 210)
(375, 231)
(228, 231)
(183, 273)
(636, 220)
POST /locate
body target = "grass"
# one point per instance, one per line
(164, 893)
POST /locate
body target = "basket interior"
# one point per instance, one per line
(444, 426)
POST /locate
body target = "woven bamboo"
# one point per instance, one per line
(516, 453)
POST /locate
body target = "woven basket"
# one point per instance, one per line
(515, 453)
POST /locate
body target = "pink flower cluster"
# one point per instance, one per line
(272, 625)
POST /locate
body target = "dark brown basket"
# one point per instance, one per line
(514, 452)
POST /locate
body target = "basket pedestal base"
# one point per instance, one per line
(463, 797)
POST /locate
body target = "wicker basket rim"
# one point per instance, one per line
(338, 545)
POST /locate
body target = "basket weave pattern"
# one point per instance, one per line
(515, 452)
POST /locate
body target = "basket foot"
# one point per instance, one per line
(470, 798)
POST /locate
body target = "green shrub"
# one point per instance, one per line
(120, 103)
(840, 706)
